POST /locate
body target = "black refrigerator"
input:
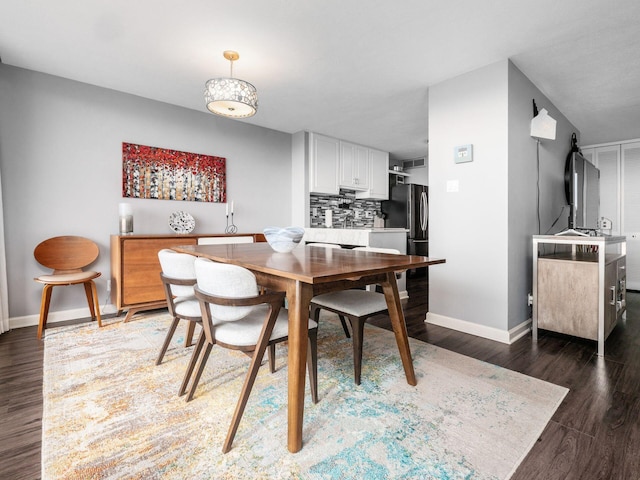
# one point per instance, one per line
(408, 207)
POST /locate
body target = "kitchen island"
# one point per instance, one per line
(363, 237)
(360, 237)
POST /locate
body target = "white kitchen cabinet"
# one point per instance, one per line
(378, 176)
(353, 170)
(324, 158)
(336, 164)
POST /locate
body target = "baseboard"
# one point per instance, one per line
(491, 333)
(60, 316)
(64, 315)
(519, 331)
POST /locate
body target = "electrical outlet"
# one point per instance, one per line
(109, 285)
(529, 300)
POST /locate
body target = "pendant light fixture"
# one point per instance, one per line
(231, 97)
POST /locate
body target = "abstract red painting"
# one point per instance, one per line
(160, 173)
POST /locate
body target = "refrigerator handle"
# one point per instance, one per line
(409, 219)
(423, 211)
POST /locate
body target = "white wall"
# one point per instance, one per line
(484, 230)
(61, 168)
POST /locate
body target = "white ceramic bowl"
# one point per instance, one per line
(285, 239)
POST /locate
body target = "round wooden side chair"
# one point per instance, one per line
(67, 256)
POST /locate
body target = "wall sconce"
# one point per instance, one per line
(542, 124)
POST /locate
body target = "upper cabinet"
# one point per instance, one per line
(379, 167)
(353, 171)
(378, 177)
(336, 164)
(324, 157)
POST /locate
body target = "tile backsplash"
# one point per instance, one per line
(347, 210)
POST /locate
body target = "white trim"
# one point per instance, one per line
(62, 316)
(519, 331)
(491, 333)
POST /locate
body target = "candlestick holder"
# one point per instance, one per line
(126, 218)
(231, 228)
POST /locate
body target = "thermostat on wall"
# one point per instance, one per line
(463, 153)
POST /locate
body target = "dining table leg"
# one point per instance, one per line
(391, 295)
(299, 296)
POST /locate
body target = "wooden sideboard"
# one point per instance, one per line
(135, 269)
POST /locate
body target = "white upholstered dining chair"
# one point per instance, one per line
(178, 277)
(236, 316)
(355, 305)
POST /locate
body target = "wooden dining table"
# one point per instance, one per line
(308, 271)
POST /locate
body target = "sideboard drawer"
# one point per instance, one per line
(141, 268)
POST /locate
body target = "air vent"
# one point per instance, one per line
(416, 163)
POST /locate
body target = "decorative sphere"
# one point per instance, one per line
(285, 239)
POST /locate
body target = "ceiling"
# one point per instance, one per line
(353, 69)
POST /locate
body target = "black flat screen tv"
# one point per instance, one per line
(582, 188)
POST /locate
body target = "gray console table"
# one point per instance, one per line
(580, 287)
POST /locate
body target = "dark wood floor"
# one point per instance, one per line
(595, 434)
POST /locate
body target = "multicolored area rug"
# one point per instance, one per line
(110, 413)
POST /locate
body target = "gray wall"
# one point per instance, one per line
(61, 163)
(469, 227)
(523, 175)
(484, 230)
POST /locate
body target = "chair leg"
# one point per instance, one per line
(192, 363)
(357, 325)
(256, 361)
(344, 326)
(315, 315)
(89, 293)
(44, 308)
(167, 340)
(188, 340)
(312, 363)
(271, 352)
(96, 300)
(201, 364)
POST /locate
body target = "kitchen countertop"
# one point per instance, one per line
(377, 230)
(357, 236)
(395, 238)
